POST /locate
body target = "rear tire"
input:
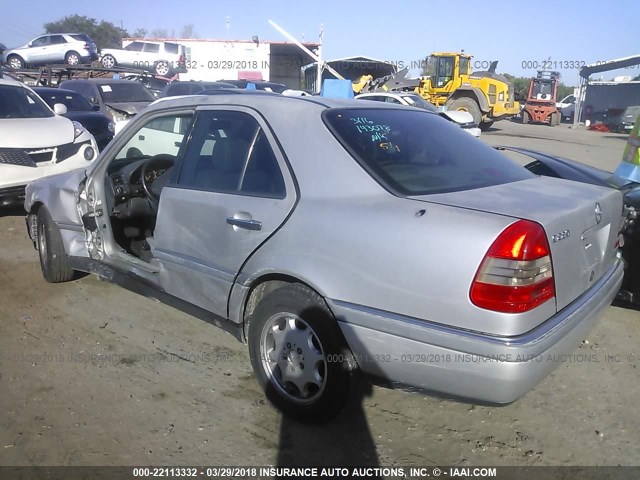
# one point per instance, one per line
(466, 104)
(299, 354)
(15, 62)
(554, 120)
(53, 258)
(72, 58)
(525, 117)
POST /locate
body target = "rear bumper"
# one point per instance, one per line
(458, 363)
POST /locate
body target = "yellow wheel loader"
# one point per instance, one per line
(486, 95)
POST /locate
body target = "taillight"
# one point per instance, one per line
(181, 59)
(516, 274)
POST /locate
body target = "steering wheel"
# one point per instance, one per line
(162, 160)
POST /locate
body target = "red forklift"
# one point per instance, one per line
(540, 106)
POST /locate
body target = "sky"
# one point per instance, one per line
(520, 35)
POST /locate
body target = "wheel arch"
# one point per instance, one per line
(14, 54)
(32, 221)
(262, 286)
(475, 94)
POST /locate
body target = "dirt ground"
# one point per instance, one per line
(91, 374)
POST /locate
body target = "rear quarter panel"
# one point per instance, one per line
(379, 253)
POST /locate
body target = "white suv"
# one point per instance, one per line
(163, 58)
(71, 48)
(36, 141)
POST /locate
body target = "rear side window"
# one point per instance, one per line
(57, 39)
(418, 153)
(230, 153)
(171, 48)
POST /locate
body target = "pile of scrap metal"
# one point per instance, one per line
(395, 82)
(53, 75)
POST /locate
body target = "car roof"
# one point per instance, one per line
(62, 33)
(52, 90)
(266, 101)
(11, 81)
(110, 81)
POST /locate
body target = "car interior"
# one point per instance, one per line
(225, 155)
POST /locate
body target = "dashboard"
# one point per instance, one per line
(129, 195)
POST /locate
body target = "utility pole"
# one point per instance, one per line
(308, 52)
(320, 63)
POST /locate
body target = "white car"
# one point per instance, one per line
(163, 58)
(70, 48)
(567, 106)
(36, 141)
(464, 119)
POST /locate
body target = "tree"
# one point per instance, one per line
(188, 31)
(162, 33)
(520, 85)
(105, 34)
(139, 33)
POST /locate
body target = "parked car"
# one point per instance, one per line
(463, 119)
(163, 58)
(78, 109)
(338, 237)
(553, 166)
(154, 83)
(567, 107)
(71, 48)
(191, 88)
(119, 100)
(36, 141)
(628, 119)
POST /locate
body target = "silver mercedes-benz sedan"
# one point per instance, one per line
(338, 238)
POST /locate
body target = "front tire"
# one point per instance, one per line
(525, 117)
(299, 354)
(108, 61)
(466, 104)
(162, 68)
(53, 258)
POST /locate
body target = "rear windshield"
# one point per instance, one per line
(418, 101)
(73, 101)
(418, 153)
(18, 102)
(125, 92)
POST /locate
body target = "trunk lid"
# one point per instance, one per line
(581, 222)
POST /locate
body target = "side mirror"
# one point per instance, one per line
(60, 109)
(95, 107)
(93, 101)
